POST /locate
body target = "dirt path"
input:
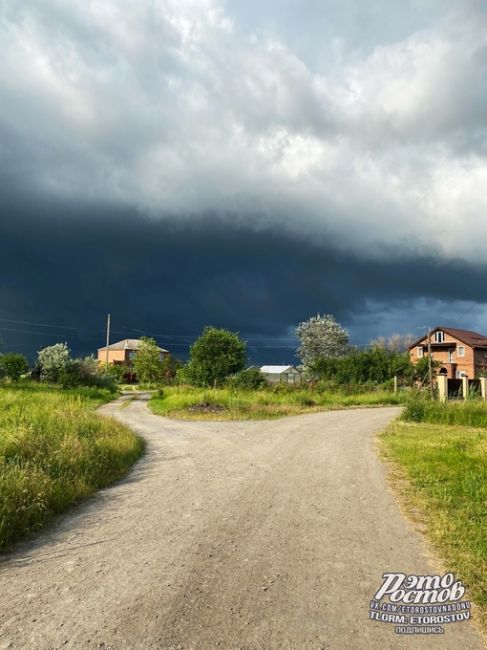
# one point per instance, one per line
(250, 535)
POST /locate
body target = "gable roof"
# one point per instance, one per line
(127, 344)
(276, 370)
(473, 339)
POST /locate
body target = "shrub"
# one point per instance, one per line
(415, 410)
(85, 372)
(363, 367)
(250, 379)
(13, 366)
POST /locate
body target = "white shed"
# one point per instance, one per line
(281, 374)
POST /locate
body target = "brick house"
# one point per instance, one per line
(460, 352)
(123, 352)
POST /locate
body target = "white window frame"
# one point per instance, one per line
(419, 352)
(439, 337)
(461, 350)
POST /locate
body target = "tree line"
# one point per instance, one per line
(219, 356)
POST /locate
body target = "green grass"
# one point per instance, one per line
(461, 412)
(260, 404)
(55, 451)
(445, 468)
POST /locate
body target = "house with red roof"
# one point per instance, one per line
(460, 353)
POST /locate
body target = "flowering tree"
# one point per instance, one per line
(321, 336)
(52, 361)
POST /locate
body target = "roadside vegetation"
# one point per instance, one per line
(439, 466)
(188, 402)
(471, 412)
(55, 451)
(214, 383)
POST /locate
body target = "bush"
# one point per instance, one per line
(85, 372)
(13, 366)
(250, 379)
(414, 411)
(363, 367)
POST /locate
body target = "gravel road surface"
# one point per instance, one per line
(230, 535)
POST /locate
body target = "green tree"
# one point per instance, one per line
(170, 367)
(148, 363)
(215, 355)
(321, 336)
(13, 365)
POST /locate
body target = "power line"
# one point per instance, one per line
(9, 329)
(25, 322)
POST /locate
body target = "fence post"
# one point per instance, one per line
(483, 387)
(395, 383)
(465, 387)
(442, 381)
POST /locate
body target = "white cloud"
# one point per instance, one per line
(170, 107)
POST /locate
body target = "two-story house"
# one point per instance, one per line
(123, 352)
(460, 353)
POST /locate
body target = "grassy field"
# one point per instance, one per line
(228, 404)
(445, 468)
(54, 451)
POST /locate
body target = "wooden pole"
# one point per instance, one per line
(108, 343)
(395, 383)
(430, 365)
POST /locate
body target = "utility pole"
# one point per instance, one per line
(108, 343)
(430, 365)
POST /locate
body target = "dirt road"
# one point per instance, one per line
(250, 535)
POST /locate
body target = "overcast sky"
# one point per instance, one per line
(241, 163)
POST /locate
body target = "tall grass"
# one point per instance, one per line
(179, 401)
(471, 413)
(54, 451)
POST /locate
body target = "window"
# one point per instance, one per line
(419, 352)
(439, 337)
(461, 350)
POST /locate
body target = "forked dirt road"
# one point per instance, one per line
(250, 535)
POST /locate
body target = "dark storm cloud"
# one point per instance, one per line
(278, 178)
(191, 107)
(59, 268)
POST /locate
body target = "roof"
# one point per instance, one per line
(473, 339)
(127, 344)
(276, 370)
